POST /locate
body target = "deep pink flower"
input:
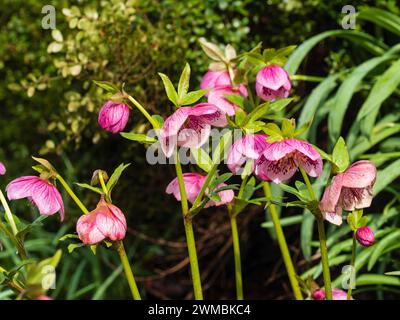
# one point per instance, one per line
(337, 294)
(250, 147)
(190, 127)
(365, 236)
(113, 116)
(349, 190)
(217, 98)
(41, 193)
(272, 82)
(214, 79)
(2, 169)
(105, 222)
(281, 159)
(193, 183)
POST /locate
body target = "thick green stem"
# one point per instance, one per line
(9, 215)
(322, 240)
(72, 194)
(187, 220)
(237, 258)
(144, 112)
(128, 272)
(353, 263)
(283, 246)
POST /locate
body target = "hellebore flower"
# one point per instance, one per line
(105, 222)
(217, 98)
(190, 127)
(193, 183)
(281, 159)
(365, 236)
(272, 82)
(349, 190)
(250, 147)
(113, 116)
(214, 79)
(43, 194)
(2, 169)
(337, 294)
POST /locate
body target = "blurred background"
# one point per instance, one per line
(49, 106)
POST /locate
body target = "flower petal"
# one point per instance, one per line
(21, 187)
(360, 174)
(87, 229)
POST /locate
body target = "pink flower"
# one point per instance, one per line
(281, 159)
(190, 127)
(2, 169)
(250, 147)
(193, 183)
(217, 98)
(43, 297)
(41, 193)
(365, 236)
(105, 222)
(272, 82)
(113, 116)
(337, 294)
(349, 190)
(213, 79)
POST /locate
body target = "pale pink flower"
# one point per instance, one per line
(217, 97)
(113, 116)
(365, 236)
(272, 82)
(190, 127)
(337, 294)
(193, 183)
(250, 147)
(43, 194)
(105, 222)
(281, 159)
(349, 190)
(2, 169)
(44, 297)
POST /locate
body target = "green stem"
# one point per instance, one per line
(353, 262)
(72, 194)
(144, 112)
(283, 246)
(18, 244)
(322, 240)
(9, 215)
(205, 185)
(236, 254)
(128, 272)
(191, 244)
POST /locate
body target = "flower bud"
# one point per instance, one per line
(113, 116)
(365, 236)
(95, 177)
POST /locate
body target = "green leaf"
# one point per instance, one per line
(279, 105)
(377, 279)
(159, 119)
(393, 273)
(386, 176)
(202, 159)
(46, 164)
(382, 18)
(192, 97)
(88, 186)
(68, 236)
(183, 85)
(71, 247)
(35, 273)
(381, 246)
(108, 86)
(115, 177)
(236, 99)
(240, 117)
(212, 50)
(288, 127)
(169, 89)
(139, 137)
(223, 145)
(340, 156)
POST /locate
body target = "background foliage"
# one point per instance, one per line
(49, 106)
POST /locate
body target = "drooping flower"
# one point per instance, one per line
(337, 294)
(349, 190)
(250, 147)
(190, 127)
(281, 159)
(213, 79)
(365, 236)
(105, 222)
(113, 116)
(217, 97)
(42, 193)
(193, 183)
(272, 82)
(2, 169)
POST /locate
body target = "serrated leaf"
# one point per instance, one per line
(169, 89)
(183, 85)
